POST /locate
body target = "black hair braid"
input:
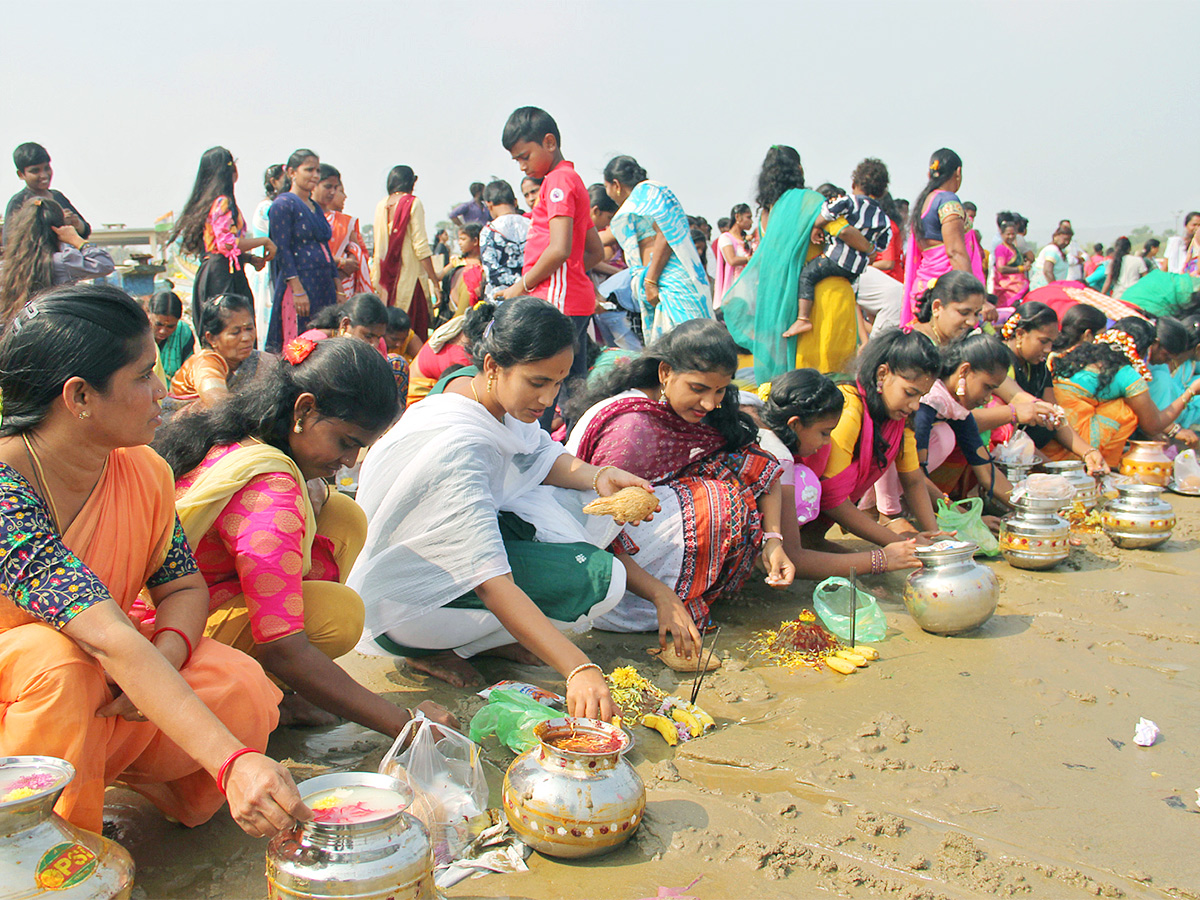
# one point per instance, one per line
(804, 394)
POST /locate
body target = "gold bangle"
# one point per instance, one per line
(596, 480)
(581, 668)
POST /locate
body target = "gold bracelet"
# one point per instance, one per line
(596, 480)
(588, 665)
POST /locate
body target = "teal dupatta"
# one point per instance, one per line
(762, 303)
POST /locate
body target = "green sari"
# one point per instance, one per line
(176, 349)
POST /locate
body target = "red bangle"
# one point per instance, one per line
(223, 772)
(187, 643)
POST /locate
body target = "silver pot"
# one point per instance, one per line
(574, 803)
(1139, 518)
(388, 858)
(1016, 472)
(1035, 536)
(1087, 490)
(42, 854)
(951, 593)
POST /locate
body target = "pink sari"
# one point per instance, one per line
(925, 265)
(864, 470)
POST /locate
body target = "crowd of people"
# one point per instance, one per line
(180, 571)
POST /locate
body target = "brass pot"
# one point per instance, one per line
(43, 855)
(1148, 462)
(574, 803)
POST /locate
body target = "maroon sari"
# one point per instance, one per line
(717, 489)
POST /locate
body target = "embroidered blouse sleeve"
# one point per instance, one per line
(263, 528)
(179, 561)
(949, 207)
(37, 571)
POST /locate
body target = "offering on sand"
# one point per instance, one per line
(1082, 519)
(642, 703)
(803, 642)
(631, 504)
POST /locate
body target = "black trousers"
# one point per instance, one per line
(818, 270)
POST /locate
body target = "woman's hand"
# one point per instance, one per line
(318, 493)
(613, 479)
(300, 301)
(588, 696)
(1031, 411)
(347, 265)
(901, 555)
(992, 522)
(1094, 460)
(263, 799)
(925, 538)
(673, 618)
(817, 236)
(256, 262)
(1187, 436)
(438, 714)
(269, 249)
(650, 290)
(122, 706)
(68, 235)
(781, 571)
(513, 291)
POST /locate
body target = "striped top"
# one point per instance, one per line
(865, 214)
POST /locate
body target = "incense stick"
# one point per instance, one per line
(853, 605)
(704, 669)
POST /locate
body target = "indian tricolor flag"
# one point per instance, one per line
(165, 221)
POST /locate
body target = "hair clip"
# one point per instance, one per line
(298, 350)
(488, 329)
(931, 284)
(764, 392)
(934, 166)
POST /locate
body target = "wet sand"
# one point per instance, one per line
(996, 764)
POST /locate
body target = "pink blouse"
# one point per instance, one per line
(255, 548)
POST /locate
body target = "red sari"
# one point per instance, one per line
(718, 491)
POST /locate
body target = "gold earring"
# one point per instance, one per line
(84, 414)
(491, 381)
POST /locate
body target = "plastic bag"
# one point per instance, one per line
(965, 518)
(510, 715)
(831, 600)
(445, 771)
(1187, 472)
(1018, 449)
(1045, 487)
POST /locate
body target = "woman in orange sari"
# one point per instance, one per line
(88, 525)
(349, 252)
(1102, 386)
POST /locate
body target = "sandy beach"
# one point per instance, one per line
(1000, 763)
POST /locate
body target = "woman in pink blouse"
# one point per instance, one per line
(273, 542)
(212, 228)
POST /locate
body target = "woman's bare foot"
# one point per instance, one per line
(448, 667)
(517, 654)
(297, 712)
(798, 327)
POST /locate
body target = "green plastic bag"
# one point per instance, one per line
(965, 518)
(511, 716)
(831, 600)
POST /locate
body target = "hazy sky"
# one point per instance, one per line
(1058, 109)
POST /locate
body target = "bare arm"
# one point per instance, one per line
(731, 257)
(955, 242)
(593, 250)
(262, 797)
(857, 522)
(912, 484)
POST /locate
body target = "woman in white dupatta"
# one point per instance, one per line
(476, 540)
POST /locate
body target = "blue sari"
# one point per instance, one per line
(683, 291)
(1166, 387)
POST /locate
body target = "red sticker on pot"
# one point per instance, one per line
(64, 866)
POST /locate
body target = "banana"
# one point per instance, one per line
(850, 656)
(616, 722)
(705, 719)
(841, 665)
(866, 652)
(663, 726)
(684, 717)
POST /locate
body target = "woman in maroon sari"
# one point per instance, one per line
(895, 370)
(671, 416)
(402, 253)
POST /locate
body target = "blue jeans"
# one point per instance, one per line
(616, 330)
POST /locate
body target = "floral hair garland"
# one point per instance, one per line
(1126, 345)
(298, 350)
(1009, 328)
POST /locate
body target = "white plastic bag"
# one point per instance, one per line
(1187, 472)
(445, 771)
(1018, 449)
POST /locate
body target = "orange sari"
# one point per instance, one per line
(50, 689)
(347, 241)
(1105, 424)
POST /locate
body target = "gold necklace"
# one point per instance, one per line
(40, 476)
(475, 393)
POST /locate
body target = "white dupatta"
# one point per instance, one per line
(432, 488)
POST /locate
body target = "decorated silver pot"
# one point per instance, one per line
(1035, 536)
(1087, 490)
(951, 593)
(41, 854)
(574, 802)
(383, 853)
(1139, 518)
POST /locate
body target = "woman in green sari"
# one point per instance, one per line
(761, 304)
(173, 337)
